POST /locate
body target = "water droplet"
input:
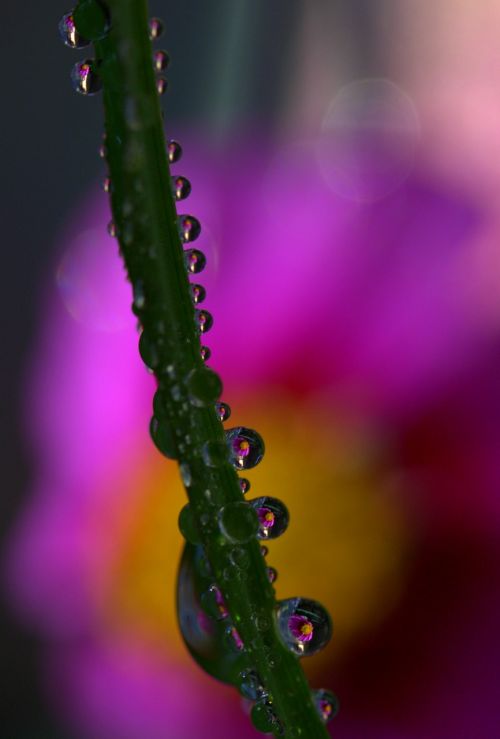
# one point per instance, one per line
(106, 184)
(174, 151)
(195, 261)
(204, 386)
(181, 187)
(198, 293)
(205, 353)
(246, 447)
(161, 85)
(185, 474)
(272, 574)
(251, 685)
(92, 19)
(187, 526)
(148, 351)
(103, 151)
(204, 320)
(139, 300)
(326, 703)
(84, 78)
(244, 485)
(273, 516)
(155, 28)
(304, 625)
(69, 34)
(239, 558)
(189, 228)
(264, 550)
(264, 719)
(163, 438)
(233, 639)
(112, 230)
(214, 453)
(238, 522)
(213, 603)
(205, 637)
(223, 411)
(161, 60)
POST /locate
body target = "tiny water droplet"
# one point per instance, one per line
(162, 436)
(233, 639)
(304, 625)
(195, 261)
(148, 351)
(272, 574)
(106, 184)
(246, 447)
(239, 558)
(204, 320)
(112, 230)
(102, 152)
(189, 228)
(238, 522)
(187, 525)
(139, 298)
(205, 353)
(185, 474)
(273, 516)
(174, 151)
(181, 187)
(204, 386)
(214, 453)
(84, 78)
(262, 622)
(327, 704)
(213, 603)
(198, 293)
(264, 550)
(161, 85)
(244, 485)
(155, 28)
(251, 685)
(69, 34)
(223, 411)
(161, 60)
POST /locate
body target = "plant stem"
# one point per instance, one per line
(145, 218)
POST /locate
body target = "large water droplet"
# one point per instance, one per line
(203, 320)
(187, 525)
(223, 411)
(189, 228)
(181, 187)
(264, 718)
(92, 19)
(163, 437)
(155, 28)
(205, 637)
(195, 261)
(251, 685)
(204, 386)
(304, 625)
(148, 351)
(246, 447)
(161, 60)
(273, 516)
(69, 34)
(161, 85)
(84, 78)
(326, 703)
(198, 293)
(174, 151)
(238, 522)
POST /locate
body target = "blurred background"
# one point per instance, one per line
(345, 167)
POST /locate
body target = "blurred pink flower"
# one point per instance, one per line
(358, 318)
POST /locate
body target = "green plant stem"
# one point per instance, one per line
(145, 216)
